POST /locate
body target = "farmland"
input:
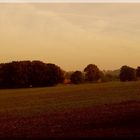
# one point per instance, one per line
(88, 110)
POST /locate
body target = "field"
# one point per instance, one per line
(88, 110)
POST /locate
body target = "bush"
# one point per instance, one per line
(77, 77)
(92, 73)
(127, 74)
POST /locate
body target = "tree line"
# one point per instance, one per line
(22, 74)
(29, 74)
(93, 74)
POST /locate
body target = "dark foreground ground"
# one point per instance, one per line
(106, 120)
(100, 121)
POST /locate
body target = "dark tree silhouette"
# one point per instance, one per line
(127, 74)
(138, 71)
(54, 74)
(92, 73)
(26, 74)
(77, 77)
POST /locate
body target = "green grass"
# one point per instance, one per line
(38, 100)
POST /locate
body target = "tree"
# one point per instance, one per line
(77, 77)
(138, 72)
(38, 74)
(54, 74)
(92, 73)
(6, 75)
(127, 73)
(19, 74)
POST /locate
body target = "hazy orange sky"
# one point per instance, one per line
(71, 35)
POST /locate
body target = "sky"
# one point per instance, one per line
(71, 35)
(70, 1)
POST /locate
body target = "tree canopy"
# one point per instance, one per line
(138, 71)
(77, 77)
(92, 73)
(127, 73)
(26, 73)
